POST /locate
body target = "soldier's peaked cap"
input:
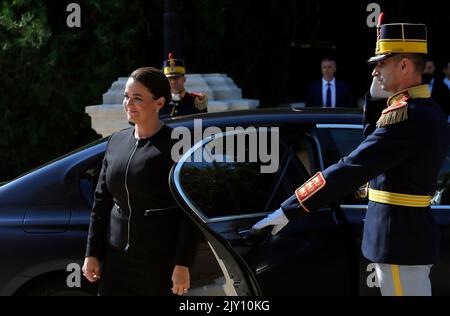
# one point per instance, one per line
(173, 67)
(395, 38)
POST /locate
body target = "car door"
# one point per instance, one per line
(440, 274)
(228, 182)
(337, 141)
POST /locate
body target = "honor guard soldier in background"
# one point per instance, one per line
(406, 141)
(183, 102)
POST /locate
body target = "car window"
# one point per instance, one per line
(339, 142)
(228, 185)
(88, 181)
(71, 153)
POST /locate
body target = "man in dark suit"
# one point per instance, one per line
(439, 91)
(329, 92)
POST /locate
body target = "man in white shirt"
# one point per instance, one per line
(329, 92)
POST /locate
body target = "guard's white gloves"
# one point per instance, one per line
(376, 92)
(277, 219)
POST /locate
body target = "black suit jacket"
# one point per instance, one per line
(133, 206)
(343, 95)
(441, 94)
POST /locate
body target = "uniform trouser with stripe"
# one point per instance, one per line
(399, 280)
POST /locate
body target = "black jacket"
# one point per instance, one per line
(185, 106)
(133, 206)
(441, 94)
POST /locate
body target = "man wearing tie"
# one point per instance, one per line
(329, 92)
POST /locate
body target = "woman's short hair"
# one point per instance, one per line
(155, 81)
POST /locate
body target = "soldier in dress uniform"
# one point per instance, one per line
(406, 141)
(183, 102)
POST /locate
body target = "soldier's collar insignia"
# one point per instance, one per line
(397, 110)
(417, 92)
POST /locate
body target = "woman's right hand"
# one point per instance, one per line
(91, 269)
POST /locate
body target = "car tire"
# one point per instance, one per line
(58, 287)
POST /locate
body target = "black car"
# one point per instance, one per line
(44, 215)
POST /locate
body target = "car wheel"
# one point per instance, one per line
(58, 287)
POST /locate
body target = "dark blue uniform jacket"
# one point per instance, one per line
(185, 106)
(402, 158)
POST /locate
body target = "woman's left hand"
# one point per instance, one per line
(180, 279)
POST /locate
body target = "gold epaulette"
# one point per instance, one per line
(397, 105)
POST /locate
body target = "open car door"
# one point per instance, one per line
(226, 183)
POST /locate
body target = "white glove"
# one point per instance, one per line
(277, 219)
(376, 92)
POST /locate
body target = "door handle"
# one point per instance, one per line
(253, 237)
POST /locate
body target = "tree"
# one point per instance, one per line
(50, 72)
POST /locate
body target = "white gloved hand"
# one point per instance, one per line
(277, 219)
(376, 92)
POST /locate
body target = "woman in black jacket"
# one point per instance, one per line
(144, 240)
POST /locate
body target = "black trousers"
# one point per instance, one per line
(135, 273)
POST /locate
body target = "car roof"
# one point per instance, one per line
(273, 116)
(244, 118)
